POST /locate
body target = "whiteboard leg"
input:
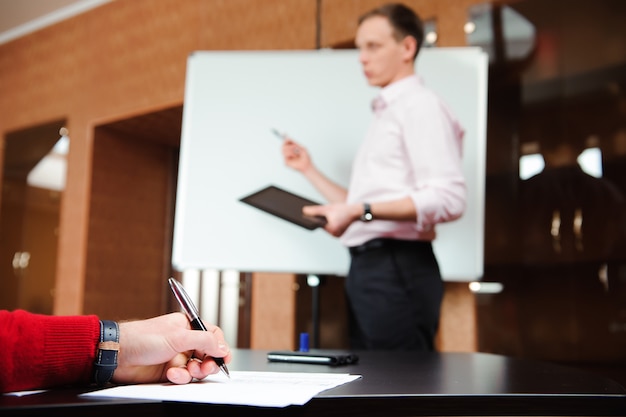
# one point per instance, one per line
(314, 282)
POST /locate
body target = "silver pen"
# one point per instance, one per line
(192, 314)
(279, 135)
(283, 136)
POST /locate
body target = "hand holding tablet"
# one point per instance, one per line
(286, 205)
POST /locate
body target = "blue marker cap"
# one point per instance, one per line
(304, 342)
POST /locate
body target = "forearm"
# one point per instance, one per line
(339, 216)
(398, 210)
(332, 192)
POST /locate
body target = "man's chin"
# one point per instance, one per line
(374, 82)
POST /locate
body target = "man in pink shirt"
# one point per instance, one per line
(406, 178)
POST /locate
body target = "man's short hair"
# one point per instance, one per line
(404, 21)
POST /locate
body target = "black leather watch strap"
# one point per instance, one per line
(106, 356)
(367, 213)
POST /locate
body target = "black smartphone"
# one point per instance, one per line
(320, 357)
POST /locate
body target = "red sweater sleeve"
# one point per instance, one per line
(41, 351)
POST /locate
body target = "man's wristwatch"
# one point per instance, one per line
(367, 213)
(106, 356)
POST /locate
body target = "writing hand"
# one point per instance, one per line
(160, 349)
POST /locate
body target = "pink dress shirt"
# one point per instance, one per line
(413, 148)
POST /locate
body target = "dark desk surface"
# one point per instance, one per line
(393, 384)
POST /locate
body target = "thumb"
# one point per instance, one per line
(313, 210)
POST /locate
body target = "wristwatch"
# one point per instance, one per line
(106, 356)
(367, 213)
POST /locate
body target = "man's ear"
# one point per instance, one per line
(409, 43)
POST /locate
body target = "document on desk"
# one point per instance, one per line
(261, 389)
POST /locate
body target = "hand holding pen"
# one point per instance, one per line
(294, 154)
(157, 350)
(192, 314)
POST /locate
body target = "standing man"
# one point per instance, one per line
(405, 179)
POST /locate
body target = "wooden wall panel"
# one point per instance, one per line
(273, 311)
(129, 226)
(258, 25)
(457, 326)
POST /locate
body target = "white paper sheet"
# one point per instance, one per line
(261, 389)
(23, 393)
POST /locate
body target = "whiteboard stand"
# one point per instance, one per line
(314, 282)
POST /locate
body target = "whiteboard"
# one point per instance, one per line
(321, 99)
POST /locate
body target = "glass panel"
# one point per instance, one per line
(556, 179)
(488, 22)
(29, 219)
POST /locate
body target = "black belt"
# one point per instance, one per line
(369, 245)
(379, 243)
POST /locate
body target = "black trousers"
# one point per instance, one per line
(394, 290)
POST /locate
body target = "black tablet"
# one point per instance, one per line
(314, 356)
(286, 205)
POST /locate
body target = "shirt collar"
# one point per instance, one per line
(394, 90)
(391, 92)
